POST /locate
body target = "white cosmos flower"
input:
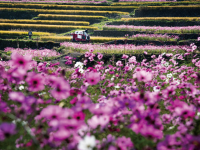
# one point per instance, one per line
(169, 75)
(163, 54)
(198, 114)
(171, 127)
(78, 65)
(42, 93)
(166, 64)
(21, 87)
(177, 82)
(88, 143)
(81, 70)
(47, 64)
(112, 78)
(117, 87)
(156, 88)
(19, 120)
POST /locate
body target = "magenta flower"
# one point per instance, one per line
(79, 116)
(35, 82)
(19, 61)
(124, 56)
(93, 77)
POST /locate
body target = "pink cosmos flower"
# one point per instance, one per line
(144, 76)
(93, 77)
(162, 77)
(52, 112)
(145, 53)
(100, 56)
(124, 56)
(132, 59)
(41, 67)
(198, 39)
(35, 82)
(91, 58)
(91, 50)
(18, 60)
(17, 96)
(60, 135)
(119, 63)
(169, 54)
(61, 89)
(87, 54)
(85, 62)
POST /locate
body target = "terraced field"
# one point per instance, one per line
(63, 19)
(59, 19)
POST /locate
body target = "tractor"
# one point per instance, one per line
(80, 36)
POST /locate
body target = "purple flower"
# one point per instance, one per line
(61, 89)
(6, 130)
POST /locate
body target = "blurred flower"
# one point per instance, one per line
(88, 143)
(21, 87)
(156, 88)
(78, 65)
(19, 61)
(144, 76)
(93, 77)
(35, 82)
(6, 130)
(169, 75)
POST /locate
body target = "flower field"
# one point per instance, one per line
(120, 49)
(154, 29)
(162, 19)
(154, 3)
(124, 105)
(33, 53)
(115, 87)
(153, 37)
